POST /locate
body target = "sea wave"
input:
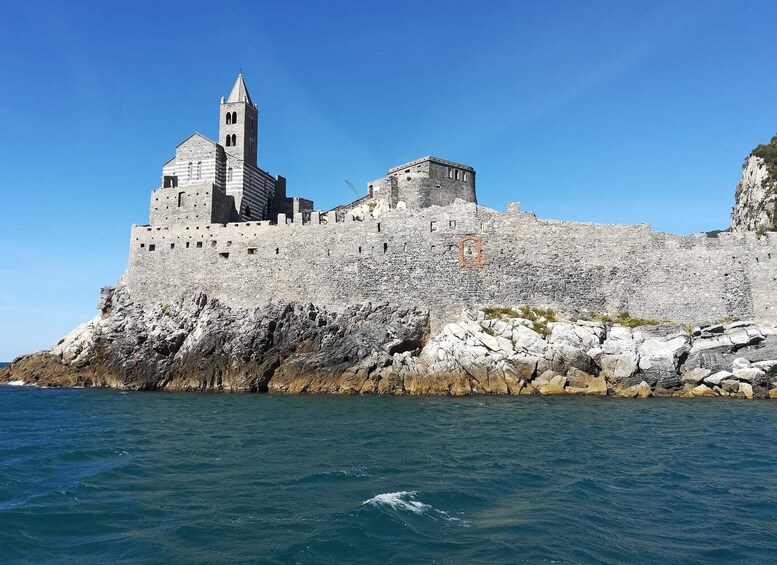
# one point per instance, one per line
(17, 383)
(406, 501)
(402, 500)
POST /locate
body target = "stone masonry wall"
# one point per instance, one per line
(200, 203)
(430, 182)
(414, 257)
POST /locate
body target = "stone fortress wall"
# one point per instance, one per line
(462, 255)
(418, 238)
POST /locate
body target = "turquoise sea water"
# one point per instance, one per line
(100, 476)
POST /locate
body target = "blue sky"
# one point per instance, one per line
(593, 111)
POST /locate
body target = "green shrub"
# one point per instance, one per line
(500, 313)
(489, 331)
(768, 152)
(539, 317)
(625, 319)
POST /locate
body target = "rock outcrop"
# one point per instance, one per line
(755, 207)
(200, 344)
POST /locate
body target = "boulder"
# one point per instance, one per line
(619, 367)
(703, 391)
(763, 351)
(695, 376)
(753, 376)
(743, 337)
(596, 386)
(563, 356)
(660, 357)
(640, 390)
(716, 378)
(722, 342)
(578, 378)
(773, 393)
(730, 385)
(741, 363)
(746, 389)
(712, 359)
(581, 337)
(554, 386)
(769, 367)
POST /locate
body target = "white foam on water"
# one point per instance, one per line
(405, 500)
(402, 500)
(16, 383)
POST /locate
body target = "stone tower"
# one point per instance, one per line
(239, 124)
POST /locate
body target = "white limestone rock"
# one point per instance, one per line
(619, 367)
(695, 376)
(755, 200)
(741, 363)
(581, 337)
(753, 376)
(659, 358)
(715, 342)
(769, 367)
(77, 347)
(715, 379)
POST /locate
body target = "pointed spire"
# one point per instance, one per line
(239, 92)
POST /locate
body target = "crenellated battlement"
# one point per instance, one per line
(448, 257)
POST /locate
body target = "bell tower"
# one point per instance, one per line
(239, 124)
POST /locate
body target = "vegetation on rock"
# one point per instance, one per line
(768, 152)
(625, 319)
(539, 317)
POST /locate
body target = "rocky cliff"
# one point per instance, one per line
(200, 344)
(755, 207)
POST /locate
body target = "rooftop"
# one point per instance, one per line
(434, 159)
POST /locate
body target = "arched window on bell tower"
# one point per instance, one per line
(229, 118)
